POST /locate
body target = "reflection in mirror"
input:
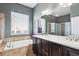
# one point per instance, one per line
(58, 22)
(63, 25)
(52, 31)
(41, 26)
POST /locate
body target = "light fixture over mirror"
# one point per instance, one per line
(56, 15)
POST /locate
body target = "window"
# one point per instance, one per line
(19, 23)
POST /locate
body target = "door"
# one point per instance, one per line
(2, 26)
(67, 28)
(59, 32)
(62, 28)
(52, 28)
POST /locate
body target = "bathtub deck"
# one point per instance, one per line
(21, 51)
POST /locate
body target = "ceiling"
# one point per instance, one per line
(60, 11)
(31, 5)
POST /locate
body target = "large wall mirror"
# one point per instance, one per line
(59, 21)
(19, 23)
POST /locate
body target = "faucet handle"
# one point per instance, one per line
(70, 38)
(76, 39)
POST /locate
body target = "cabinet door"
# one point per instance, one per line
(56, 50)
(45, 48)
(34, 45)
(65, 51)
(45, 45)
(39, 47)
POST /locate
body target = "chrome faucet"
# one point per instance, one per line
(76, 39)
(70, 38)
(9, 44)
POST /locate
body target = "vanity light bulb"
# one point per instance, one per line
(65, 4)
(61, 3)
(56, 15)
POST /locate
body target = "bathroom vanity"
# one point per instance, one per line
(53, 45)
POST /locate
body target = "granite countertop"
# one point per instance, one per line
(60, 40)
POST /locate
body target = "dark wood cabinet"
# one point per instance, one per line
(65, 51)
(39, 46)
(72, 52)
(56, 50)
(34, 46)
(43, 47)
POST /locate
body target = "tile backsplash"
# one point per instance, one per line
(17, 38)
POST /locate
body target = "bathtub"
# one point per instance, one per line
(17, 44)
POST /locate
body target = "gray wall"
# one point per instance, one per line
(74, 23)
(65, 18)
(49, 18)
(75, 9)
(6, 8)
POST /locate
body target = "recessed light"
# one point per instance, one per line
(61, 3)
(69, 4)
(56, 15)
(47, 12)
(65, 4)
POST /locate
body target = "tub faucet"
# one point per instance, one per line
(9, 44)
